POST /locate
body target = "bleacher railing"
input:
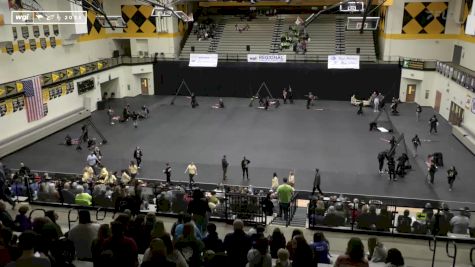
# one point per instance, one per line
(292, 209)
(426, 224)
(247, 207)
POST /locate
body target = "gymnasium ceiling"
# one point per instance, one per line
(315, 3)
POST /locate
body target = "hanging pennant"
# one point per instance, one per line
(9, 47)
(46, 30)
(52, 42)
(21, 46)
(25, 32)
(32, 44)
(36, 31)
(43, 43)
(56, 30)
(15, 33)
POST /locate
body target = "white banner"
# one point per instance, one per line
(344, 62)
(203, 60)
(266, 58)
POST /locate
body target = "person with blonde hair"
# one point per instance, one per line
(158, 229)
(282, 258)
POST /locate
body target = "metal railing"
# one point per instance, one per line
(472, 260)
(454, 255)
(247, 208)
(433, 249)
(292, 209)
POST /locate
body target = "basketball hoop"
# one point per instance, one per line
(115, 22)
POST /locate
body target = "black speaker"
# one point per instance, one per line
(192, 49)
(248, 48)
(115, 54)
(358, 50)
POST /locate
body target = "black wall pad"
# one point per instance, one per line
(242, 79)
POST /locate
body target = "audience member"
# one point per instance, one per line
(103, 234)
(212, 241)
(198, 208)
(283, 258)
(190, 246)
(276, 242)
(83, 235)
(320, 248)
(275, 182)
(333, 219)
(383, 220)
(120, 250)
(354, 256)
(259, 255)
(179, 228)
(284, 193)
(367, 219)
(82, 198)
(289, 246)
(394, 258)
(5, 217)
(459, 223)
(303, 255)
(21, 220)
(237, 244)
(27, 242)
(404, 222)
(158, 255)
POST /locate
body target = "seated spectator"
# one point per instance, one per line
(237, 244)
(5, 248)
(212, 241)
(157, 255)
(43, 192)
(27, 242)
(440, 223)
(158, 230)
(268, 205)
(259, 255)
(333, 219)
(111, 179)
(83, 234)
(379, 254)
(394, 258)
(5, 217)
(87, 175)
(354, 256)
(179, 228)
(283, 258)
(276, 242)
(100, 198)
(53, 217)
(18, 188)
(103, 174)
(82, 198)
(67, 195)
(163, 202)
(367, 218)
(289, 246)
(404, 222)
(303, 255)
(320, 248)
(103, 234)
(459, 223)
(119, 249)
(23, 221)
(179, 221)
(257, 233)
(190, 246)
(383, 220)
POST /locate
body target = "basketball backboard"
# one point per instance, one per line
(116, 21)
(355, 23)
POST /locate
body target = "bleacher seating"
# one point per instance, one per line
(364, 41)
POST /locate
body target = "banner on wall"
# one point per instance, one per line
(344, 62)
(266, 58)
(203, 60)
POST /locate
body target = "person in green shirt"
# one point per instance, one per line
(82, 198)
(284, 193)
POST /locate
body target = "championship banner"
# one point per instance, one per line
(266, 58)
(203, 60)
(344, 62)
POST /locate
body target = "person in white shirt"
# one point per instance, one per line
(292, 178)
(83, 234)
(275, 182)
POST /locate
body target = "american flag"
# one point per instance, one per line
(33, 99)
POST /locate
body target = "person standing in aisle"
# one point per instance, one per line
(224, 164)
(416, 142)
(451, 175)
(245, 168)
(418, 112)
(168, 173)
(392, 169)
(433, 124)
(138, 156)
(192, 171)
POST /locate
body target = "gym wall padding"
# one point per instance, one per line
(242, 79)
